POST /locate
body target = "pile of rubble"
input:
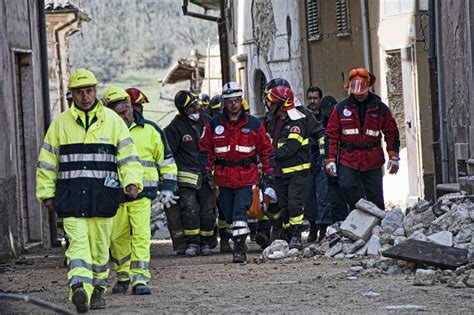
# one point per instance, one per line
(447, 224)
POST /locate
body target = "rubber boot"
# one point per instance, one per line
(295, 240)
(121, 287)
(224, 241)
(276, 229)
(141, 289)
(206, 246)
(192, 250)
(98, 299)
(79, 298)
(238, 254)
(313, 232)
(263, 233)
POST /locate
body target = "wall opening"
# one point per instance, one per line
(395, 91)
(260, 83)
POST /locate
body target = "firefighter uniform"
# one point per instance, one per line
(230, 148)
(354, 134)
(131, 256)
(80, 163)
(197, 199)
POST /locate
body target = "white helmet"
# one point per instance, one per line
(231, 90)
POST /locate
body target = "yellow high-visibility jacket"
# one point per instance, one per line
(85, 160)
(155, 157)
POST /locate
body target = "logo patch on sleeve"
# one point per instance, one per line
(187, 138)
(295, 129)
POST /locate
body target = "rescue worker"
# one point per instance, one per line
(197, 194)
(354, 148)
(85, 152)
(215, 105)
(205, 100)
(137, 98)
(229, 146)
(290, 138)
(317, 208)
(130, 240)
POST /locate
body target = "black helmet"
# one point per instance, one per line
(216, 102)
(205, 100)
(184, 99)
(276, 82)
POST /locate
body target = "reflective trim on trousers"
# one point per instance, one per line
(136, 264)
(87, 157)
(136, 278)
(191, 232)
(47, 166)
(121, 261)
(123, 275)
(79, 279)
(99, 282)
(274, 216)
(237, 224)
(252, 220)
(100, 269)
(48, 147)
(128, 159)
(297, 220)
(124, 143)
(87, 173)
(177, 234)
(238, 232)
(78, 263)
(222, 224)
(206, 233)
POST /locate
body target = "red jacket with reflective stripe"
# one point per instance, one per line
(360, 146)
(244, 139)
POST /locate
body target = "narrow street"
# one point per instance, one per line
(214, 285)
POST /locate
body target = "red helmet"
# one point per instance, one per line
(360, 80)
(136, 96)
(282, 96)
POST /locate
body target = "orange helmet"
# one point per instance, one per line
(360, 80)
(282, 96)
(136, 96)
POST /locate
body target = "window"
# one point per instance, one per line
(395, 7)
(312, 20)
(342, 18)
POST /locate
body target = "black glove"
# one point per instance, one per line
(209, 179)
(269, 181)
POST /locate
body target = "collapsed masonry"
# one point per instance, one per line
(437, 236)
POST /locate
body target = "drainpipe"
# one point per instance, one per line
(44, 64)
(222, 30)
(366, 35)
(58, 52)
(441, 94)
(308, 48)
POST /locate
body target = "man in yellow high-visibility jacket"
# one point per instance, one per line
(87, 155)
(131, 256)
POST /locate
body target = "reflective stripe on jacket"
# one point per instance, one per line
(155, 157)
(360, 145)
(83, 157)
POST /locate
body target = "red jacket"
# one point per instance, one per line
(360, 146)
(232, 149)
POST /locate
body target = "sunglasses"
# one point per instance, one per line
(361, 72)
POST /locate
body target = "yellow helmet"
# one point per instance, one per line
(82, 78)
(245, 105)
(114, 94)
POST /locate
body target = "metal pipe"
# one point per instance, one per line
(441, 95)
(44, 64)
(366, 35)
(308, 47)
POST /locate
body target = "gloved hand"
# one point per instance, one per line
(132, 191)
(209, 179)
(167, 198)
(331, 169)
(270, 192)
(48, 203)
(393, 165)
(269, 180)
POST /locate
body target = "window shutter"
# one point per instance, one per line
(342, 18)
(312, 20)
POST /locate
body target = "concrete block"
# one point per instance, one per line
(370, 207)
(374, 245)
(424, 277)
(358, 225)
(442, 238)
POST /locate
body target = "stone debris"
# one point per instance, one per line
(408, 307)
(424, 277)
(370, 208)
(370, 294)
(279, 246)
(442, 238)
(373, 245)
(392, 221)
(358, 225)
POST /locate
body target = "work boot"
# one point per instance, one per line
(322, 232)
(141, 289)
(224, 241)
(206, 250)
(262, 239)
(79, 298)
(313, 232)
(121, 287)
(214, 241)
(295, 240)
(97, 298)
(238, 255)
(192, 250)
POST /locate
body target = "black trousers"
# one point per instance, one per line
(337, 199)
(197, 210)
(290, 197)
(356, 184)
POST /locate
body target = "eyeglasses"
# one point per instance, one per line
(361, 72)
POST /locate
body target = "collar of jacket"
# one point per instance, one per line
(225, 117)
(98, 110)
(138, 118)
(370, 101)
